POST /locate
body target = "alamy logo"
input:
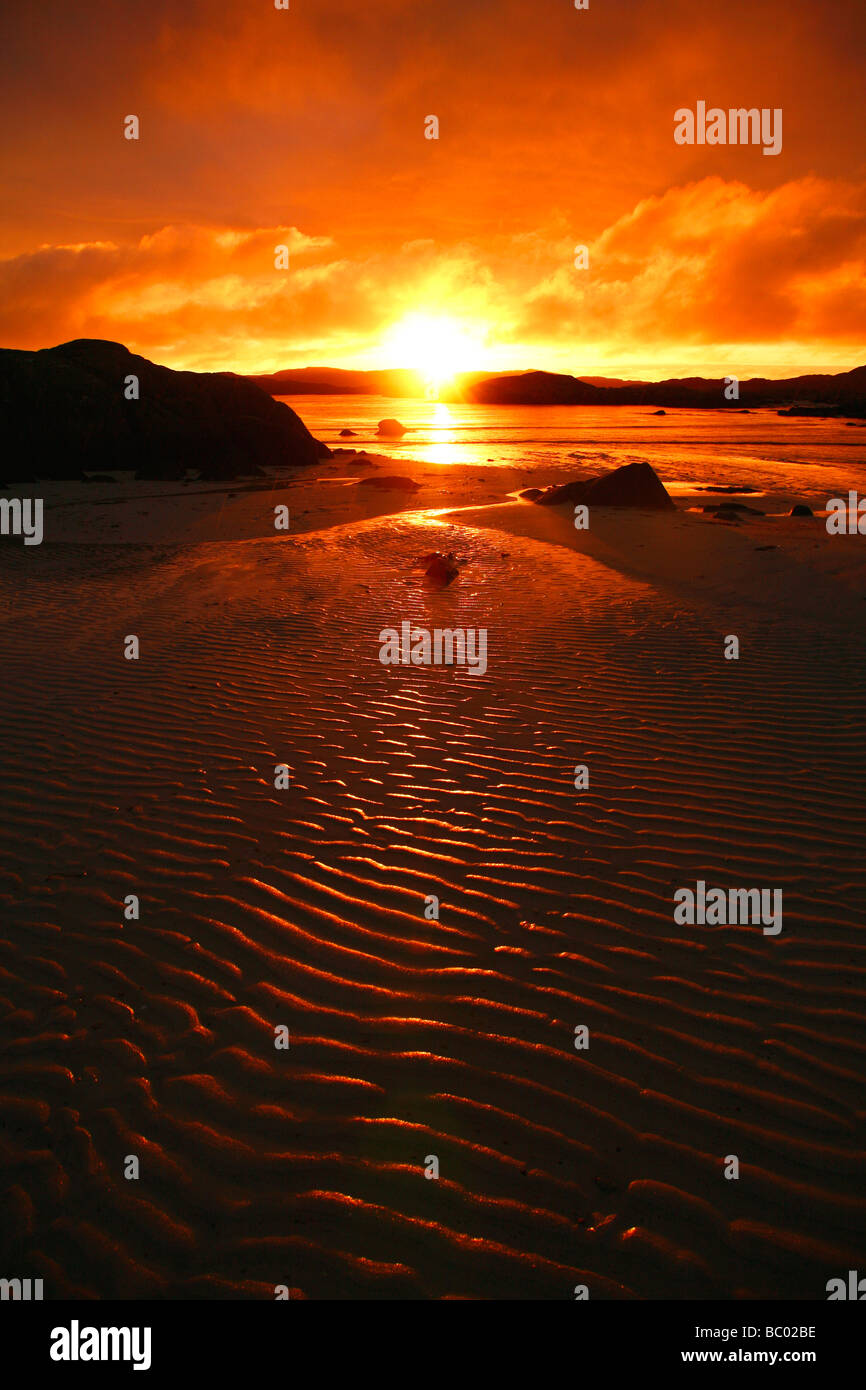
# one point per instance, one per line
(855, 1288)
(846, 518)
(735, 906)
(20, 1290)
(22, 516)
(737, 126)
(76, 1343)
(441, 647)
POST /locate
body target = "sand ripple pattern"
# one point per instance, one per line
(411, 1037)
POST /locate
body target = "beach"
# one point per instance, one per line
(415, 1034)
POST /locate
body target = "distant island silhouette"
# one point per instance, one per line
(841, 394)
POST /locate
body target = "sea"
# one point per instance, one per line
(780, 457)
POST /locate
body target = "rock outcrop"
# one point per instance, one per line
(394, 481)
(65, 409)
(391, 429)
(633, 485)
(439, 570)
(731, 509)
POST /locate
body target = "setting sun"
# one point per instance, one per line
(437, 348)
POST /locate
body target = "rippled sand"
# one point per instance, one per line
(409, 1037)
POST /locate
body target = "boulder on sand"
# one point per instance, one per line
(732, 509)
(800, 509)
(391, 429)
(439, 569)
(633, 485)
(393, 481)
(739, 491)
(347, 434)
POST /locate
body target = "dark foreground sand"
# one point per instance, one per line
(410, 1037)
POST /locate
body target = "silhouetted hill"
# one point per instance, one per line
(309, 381)
(612, 381)
(537, 388)
(339, 381)
(844, 393)
(64, 409)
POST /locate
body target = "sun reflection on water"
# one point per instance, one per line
(442, 449)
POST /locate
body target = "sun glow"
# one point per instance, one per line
(436, 348)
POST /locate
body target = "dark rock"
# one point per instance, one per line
(800, 509)
(740, 491)
(530, 493)
(347, 434)
(64, 410)
(440, 569)
(393, 481)
(392, 429)
(723, 509)
(659, 412)
(633, 485)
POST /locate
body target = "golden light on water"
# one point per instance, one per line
(442, 449)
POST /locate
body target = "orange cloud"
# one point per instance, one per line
(723, 267)
(713, 272)
(556, 128)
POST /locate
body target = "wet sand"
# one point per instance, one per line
(305, 907)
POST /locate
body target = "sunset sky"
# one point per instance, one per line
(305, 127)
